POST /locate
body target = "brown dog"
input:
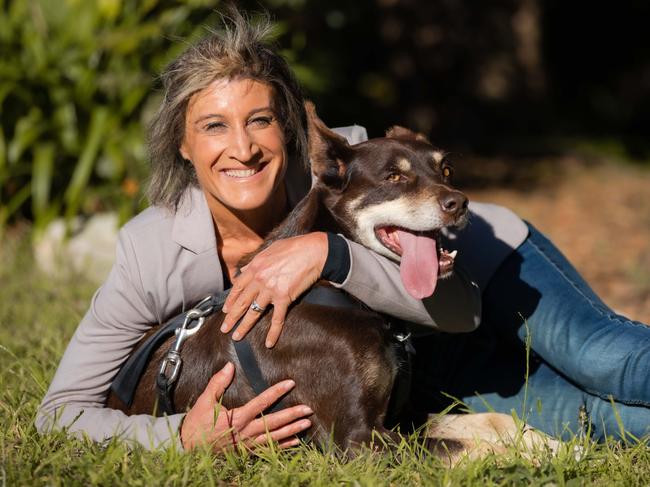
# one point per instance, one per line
(392, 195)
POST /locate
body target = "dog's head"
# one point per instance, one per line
(393, 195)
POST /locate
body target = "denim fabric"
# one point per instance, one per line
(587, 367)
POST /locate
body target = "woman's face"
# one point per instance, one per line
(236, 143)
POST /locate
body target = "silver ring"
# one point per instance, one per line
(256, 307)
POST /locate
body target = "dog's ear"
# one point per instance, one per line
(397, 132)
(329, 152)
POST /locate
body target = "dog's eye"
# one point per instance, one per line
(395, 177)
(446, 171)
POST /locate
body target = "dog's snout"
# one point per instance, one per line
(454, 203)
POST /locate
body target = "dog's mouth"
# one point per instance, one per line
(422, 260)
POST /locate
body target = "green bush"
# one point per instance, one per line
(77, 84)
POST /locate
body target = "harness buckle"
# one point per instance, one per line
(204, 311)
(172, 359)
(192, 323)
(185, 330)
(401, 336)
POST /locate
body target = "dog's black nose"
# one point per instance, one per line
(454, 202)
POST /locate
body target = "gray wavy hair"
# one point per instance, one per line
(241, 50)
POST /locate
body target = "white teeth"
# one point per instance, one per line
(240, 173)
(453, 254)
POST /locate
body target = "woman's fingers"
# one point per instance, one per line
(260, 403)
(277, 420)
(262, 300)
(239, 285)
(217, 385)
(200, 424)
(291, 442)
(239, 306)
(277, 322)
(283, 433)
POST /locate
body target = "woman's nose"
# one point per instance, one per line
(243, 146)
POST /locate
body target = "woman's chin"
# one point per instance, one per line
(244, 201)
(247, 194)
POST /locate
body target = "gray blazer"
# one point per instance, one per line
(166, 262)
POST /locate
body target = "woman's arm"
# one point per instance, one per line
(118, 317)
(455, 306)
(288, 267)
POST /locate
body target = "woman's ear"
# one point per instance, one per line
(329, 152)
(183, 151)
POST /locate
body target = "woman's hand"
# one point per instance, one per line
(210, 423)
(277, 276)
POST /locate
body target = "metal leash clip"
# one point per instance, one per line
(173, 358)
(402, 336)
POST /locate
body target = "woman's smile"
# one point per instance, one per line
(244, 175)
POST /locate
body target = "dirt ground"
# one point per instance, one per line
(598, 215)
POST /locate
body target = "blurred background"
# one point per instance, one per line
(544, 106)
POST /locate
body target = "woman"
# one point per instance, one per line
(228, 149)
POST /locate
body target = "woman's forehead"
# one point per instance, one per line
(230, 97)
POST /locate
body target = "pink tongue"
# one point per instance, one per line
(419, 266)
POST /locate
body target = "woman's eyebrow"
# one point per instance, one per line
(206, 117)
(261, 109)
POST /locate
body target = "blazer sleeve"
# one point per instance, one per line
(118, 317)
(455, 306)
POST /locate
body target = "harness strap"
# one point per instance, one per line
(126, 380)
(251, 368)
(402, 345)
(322, 295)
(128, 377)
(330, 296)
(165, 390)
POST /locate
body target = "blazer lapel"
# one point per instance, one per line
(193, 228)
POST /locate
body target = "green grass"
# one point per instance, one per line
(37, 317)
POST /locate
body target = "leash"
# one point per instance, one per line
(190, 322)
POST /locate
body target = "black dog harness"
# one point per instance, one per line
(188, 323)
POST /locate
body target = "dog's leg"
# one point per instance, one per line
(483, 433)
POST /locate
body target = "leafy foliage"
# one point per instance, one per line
(76, 87)
(78, 82)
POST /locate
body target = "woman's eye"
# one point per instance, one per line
(395, 177)
(212, 126)
(262, 121)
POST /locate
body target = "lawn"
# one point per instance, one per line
(38, 314)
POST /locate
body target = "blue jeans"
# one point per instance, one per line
(588, 369)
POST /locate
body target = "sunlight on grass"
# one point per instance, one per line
(37, 318)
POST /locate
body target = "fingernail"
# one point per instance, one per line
(288, 384)
(306, 410)
(305, 423)
(236, 336)
(228, 367)
(224, 327)
(269, 344)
